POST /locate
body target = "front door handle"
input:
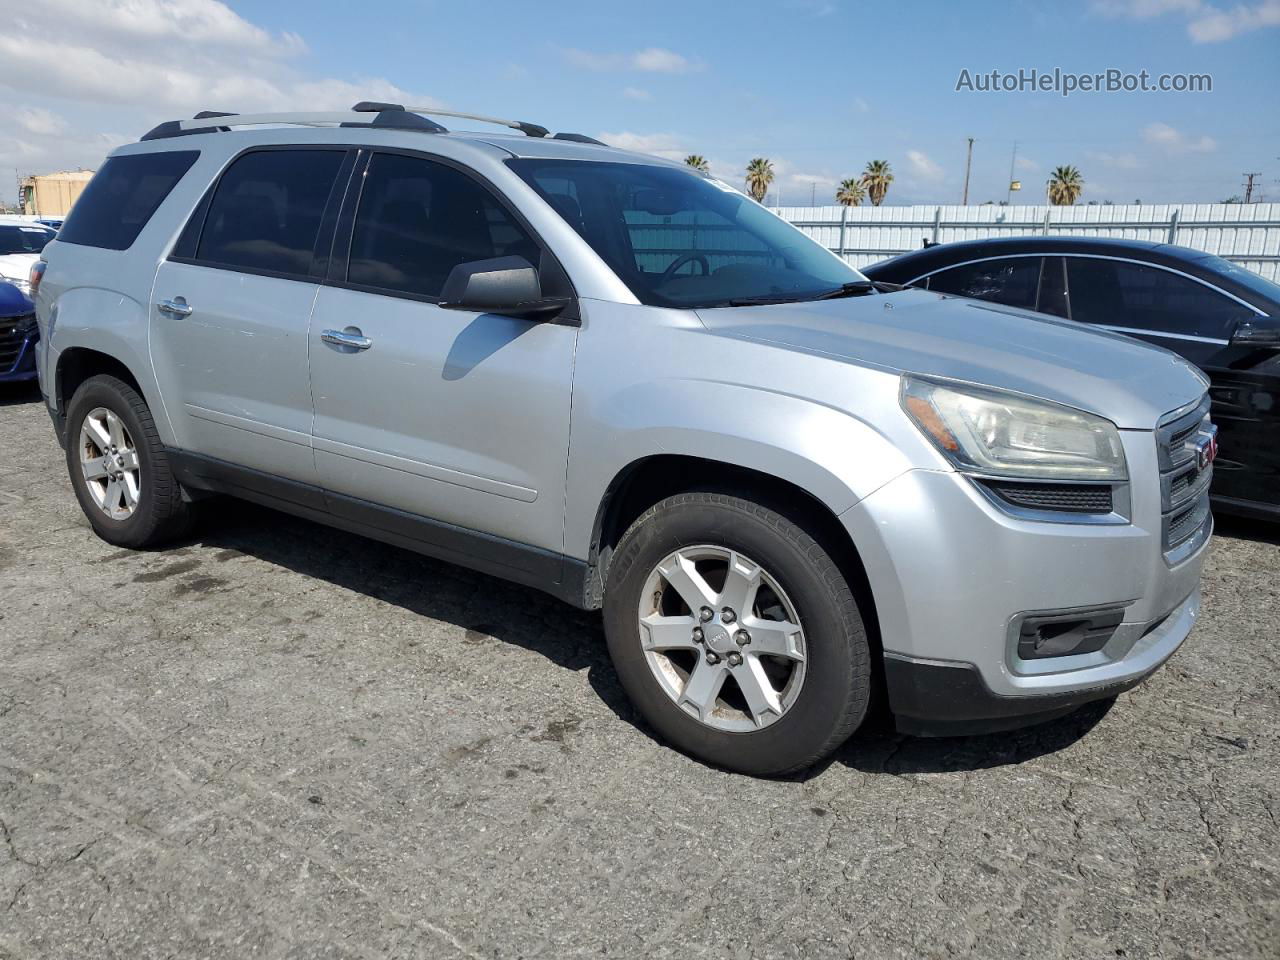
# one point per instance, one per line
(177, 307)
(350, 337)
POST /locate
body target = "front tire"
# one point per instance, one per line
(736, 635)
(119, 467)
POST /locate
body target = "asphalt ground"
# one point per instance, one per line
(282, 741)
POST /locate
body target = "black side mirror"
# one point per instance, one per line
(508, 286)
(1263, 332)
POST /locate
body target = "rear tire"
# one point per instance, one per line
(120, 469)
(792, 662)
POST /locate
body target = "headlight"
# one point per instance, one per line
(999, 434)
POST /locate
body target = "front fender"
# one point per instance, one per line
(835, 456)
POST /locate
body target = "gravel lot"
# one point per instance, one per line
(282, 741)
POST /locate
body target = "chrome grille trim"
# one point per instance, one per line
(1186, 519)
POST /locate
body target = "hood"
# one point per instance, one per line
(13, 303)
(1129, 382)
(16, 266)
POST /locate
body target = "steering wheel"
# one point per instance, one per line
(680, 261)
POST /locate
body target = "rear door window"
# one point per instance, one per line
(122, 196)
(1136, 296)
(418, 219)
(1010, 280)
(265, 214)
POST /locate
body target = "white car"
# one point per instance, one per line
(20, 244)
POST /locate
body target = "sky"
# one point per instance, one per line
(820, 87)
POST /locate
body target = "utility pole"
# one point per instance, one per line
(813, 194)
(968, 161)
(1248, 186)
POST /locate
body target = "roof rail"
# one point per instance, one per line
(391, 115)
(579, 138)
(529, 129)
(394, 119)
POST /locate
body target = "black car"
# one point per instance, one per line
(1223, 318)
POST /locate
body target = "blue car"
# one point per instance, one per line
(18, 335)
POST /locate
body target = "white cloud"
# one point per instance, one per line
(861, 105)
(189, 22)
(1175, 141)
(635, 93)
(108, 65)
(1206, 23)
(924, 169)
(1116, 161)
(1216, 25)
(1023, 162)
(649, 60)
(666, 145)
(39, 121)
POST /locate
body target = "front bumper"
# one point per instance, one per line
(954, 577)
(936, 698)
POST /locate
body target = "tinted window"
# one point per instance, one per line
(418, 219)
(1011, 281)
(121, 198)
(265, 214)
(678, 239)
(17, 239)
(1134, 295)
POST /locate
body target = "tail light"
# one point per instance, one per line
(34, 278)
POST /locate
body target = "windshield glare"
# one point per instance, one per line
(18, 239)
(678, 239)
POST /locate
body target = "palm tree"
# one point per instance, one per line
(851, 192)
(1065, 186)
(876, 178)
(759, 176)
(698, 162)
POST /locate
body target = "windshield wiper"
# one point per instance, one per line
(854, 288)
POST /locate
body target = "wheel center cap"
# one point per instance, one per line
(717, 638)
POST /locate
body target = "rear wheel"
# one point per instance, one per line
(119, 467)
(736, 635)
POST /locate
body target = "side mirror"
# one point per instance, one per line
(1261, 332)
(508, 286)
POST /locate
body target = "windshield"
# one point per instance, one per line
(1253, 282)
(678, 239)
(17, 239)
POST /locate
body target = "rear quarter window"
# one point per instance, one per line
(122, 196)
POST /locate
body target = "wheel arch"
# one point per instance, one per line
(648, 480)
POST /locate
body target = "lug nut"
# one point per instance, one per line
(735, 659)
(713, 657)
(727, 615)
(742, 638)
(697, 634)
(705, 614)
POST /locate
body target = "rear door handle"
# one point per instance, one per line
(350, 337)
(177, 307)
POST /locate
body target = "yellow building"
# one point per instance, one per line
(52, 194)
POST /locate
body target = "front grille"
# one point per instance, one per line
(1067, 497)
(1182, 440)
(14, 332)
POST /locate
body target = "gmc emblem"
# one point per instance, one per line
(1207, 451)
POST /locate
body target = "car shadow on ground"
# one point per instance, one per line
(1244, 528)
(16, 393)
(487, 608)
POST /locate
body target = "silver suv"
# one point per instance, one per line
(623, 382)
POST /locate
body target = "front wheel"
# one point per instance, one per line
(736, 635)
